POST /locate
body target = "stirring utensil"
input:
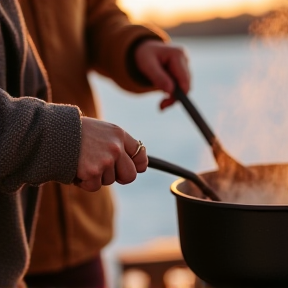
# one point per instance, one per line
(226, 163)
(181, 172)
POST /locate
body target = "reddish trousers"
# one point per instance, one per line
(86, 275)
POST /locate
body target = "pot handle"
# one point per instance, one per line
(181, 172)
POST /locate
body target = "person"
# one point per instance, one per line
(138, 59)
(41, 142)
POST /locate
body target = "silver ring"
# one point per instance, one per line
(140, 146)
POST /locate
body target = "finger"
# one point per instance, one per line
(179, 70)
(158, 76)
(167, 102)
(108, 176)
(125, 170)
(130, 144)
(139, 157)
(90, 185)
(141, 160)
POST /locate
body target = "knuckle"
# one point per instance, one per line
(118, 131)
(183, 52)
(180, 53)
(108, 162)
(180, 50)
(94, 172)
(116, 150)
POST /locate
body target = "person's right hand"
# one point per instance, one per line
(164, 64)
(105, 155)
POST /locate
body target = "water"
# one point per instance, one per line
(232, 82)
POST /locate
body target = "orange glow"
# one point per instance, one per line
(167, 13)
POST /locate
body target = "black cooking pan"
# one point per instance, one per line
(233, 244)
(241, 241)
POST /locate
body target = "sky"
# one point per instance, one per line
(172, 12)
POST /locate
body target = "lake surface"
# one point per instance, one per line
(240, 85)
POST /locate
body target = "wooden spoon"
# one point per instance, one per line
(228, 166)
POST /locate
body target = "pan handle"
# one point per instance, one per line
(181, 172)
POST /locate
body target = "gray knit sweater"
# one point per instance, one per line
(39, 142)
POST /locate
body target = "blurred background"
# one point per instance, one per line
(238, 58)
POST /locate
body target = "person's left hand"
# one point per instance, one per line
(163, 64)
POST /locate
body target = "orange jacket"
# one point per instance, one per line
(73, 37)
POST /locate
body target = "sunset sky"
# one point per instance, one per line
(172, 12)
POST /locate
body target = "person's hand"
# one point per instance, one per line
(163, 64)
(105, 156)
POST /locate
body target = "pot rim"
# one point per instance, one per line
(222, 204)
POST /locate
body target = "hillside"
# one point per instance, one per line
(218, 26)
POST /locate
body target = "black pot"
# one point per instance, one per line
(230, 244)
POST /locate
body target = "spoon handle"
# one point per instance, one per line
(181, 172)
(194, 113)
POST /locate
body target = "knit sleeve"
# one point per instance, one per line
(39, 142)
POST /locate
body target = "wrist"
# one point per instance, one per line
(131, 62)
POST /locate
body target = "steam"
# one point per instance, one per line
(270, 187)
(259, 102)
(275, 24)
(257, 117)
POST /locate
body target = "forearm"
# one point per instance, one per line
(39, 142)
(110, 36)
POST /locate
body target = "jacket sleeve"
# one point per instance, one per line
(39, 142)
(110, 36)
